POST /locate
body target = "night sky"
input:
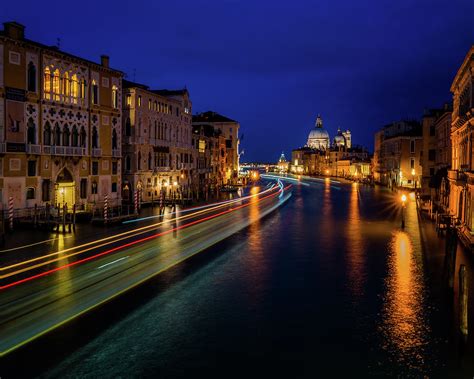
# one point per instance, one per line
(273, 65)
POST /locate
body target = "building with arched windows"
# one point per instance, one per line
(60, 125)
(157, 145)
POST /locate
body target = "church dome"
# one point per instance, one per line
(318, 137)
(339, 139)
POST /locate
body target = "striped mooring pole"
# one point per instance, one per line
(10, 212)
(106, 208)
(135, 200)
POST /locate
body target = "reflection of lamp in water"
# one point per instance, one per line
(404, 200)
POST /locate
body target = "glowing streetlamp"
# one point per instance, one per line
(413, 175)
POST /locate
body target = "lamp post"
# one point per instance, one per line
(404, 200)
(413, 175)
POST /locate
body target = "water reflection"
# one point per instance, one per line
(404, 322)
(356, 259)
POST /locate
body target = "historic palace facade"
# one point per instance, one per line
(60, 120)
(158, 156)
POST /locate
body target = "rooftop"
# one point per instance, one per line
(210, 116)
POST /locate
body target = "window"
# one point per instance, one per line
(202, 146)
(128, 127)
(432, 130)
(114, 187)
(82, 89)
(412, 146)
(30, 193)
(114, 139)
(57, 135)
(95, 93)
(31, 132)
(149, 104)
(14, 57)
(129, 100)
(31, 77)
(95, 138)
(75, 136)
(412, 163)
(56, 86)
(75, 89)
(66, 86)
(95, 168)
(114, 168)
(66, 135)
(31, 168)
(432, 154)
(139, 100)
(82, 137)
(47, 83)
(83, 189)
(432, 171)
(105, 82)
(47, 134)
(94, 188)
(115, 97)
(45, 190)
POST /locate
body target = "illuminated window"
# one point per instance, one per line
(66, 87)
(74, 88)
(149, 104)
(155, 106)
(47, 84)
(115, 97)
(202, 146)
(129, 100)
(56, 85)
(139, 100)
(83, 89)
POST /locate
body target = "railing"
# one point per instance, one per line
(33, 149)
(161, 169)
(116, 153)
(456, 175)
(63, 150)
(96, 152)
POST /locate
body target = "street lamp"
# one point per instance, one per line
(413, 175)
(404, 200)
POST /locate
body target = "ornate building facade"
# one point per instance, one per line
(158, 157)
(60, 118)
(461, 175)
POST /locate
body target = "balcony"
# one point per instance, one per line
(457, 176)
(33, 149)
(116, 153)
(161, 169)
(96, 152)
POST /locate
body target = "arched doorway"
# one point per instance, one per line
(65, 191)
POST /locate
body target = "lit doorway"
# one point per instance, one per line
(65, 189)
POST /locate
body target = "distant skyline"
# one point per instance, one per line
(271, 65)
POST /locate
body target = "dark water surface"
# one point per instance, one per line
(326, 284)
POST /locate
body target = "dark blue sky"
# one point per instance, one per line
(273, 65)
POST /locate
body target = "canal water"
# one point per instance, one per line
(327, 284)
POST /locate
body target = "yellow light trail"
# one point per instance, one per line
(112, 239)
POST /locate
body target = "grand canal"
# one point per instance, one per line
(327, 283)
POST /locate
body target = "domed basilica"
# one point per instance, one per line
(318, 137)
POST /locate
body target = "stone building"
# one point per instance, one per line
(158, 157)
(318, 137)
(230, 131)
(461, 175)
(398, 154)
(60, 118)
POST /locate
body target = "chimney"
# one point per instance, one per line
(104, 60)
(14, 30)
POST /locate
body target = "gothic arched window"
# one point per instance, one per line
(47, 134)
(95, 138)
(57, 135)
(66, 134)
(82, 137)
(75, 136)
(31, 132)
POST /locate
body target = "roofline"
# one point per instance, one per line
(469, 56)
